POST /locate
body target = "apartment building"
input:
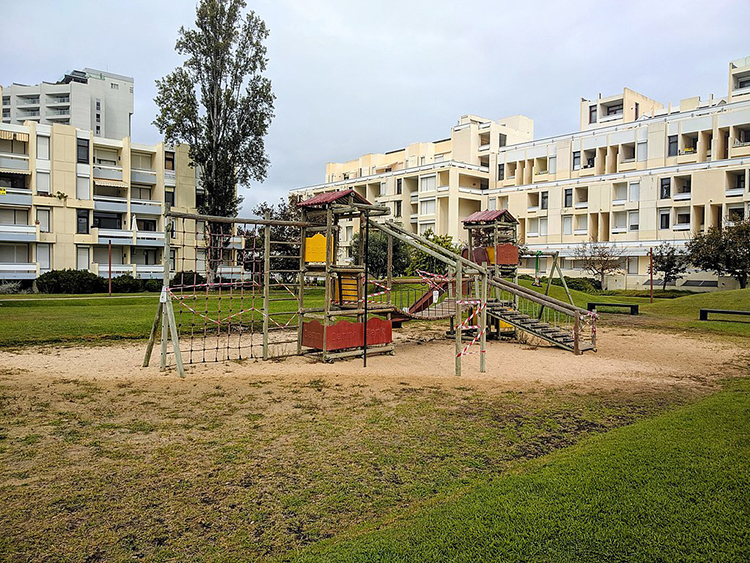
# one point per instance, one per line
(89, 99)
(636, 173)
(65, 195)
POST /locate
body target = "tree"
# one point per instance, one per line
(377, 256)
(599, 259)
(724, 251)
(671, 261)
(219, 102)
(422, 261)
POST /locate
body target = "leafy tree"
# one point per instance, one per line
(599, 259)
(724, 251)
(422, 261)
(671, 261)
(219, 102)
(377, 256)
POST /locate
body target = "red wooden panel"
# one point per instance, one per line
(345, 334)
(481, 256)
(506, 254)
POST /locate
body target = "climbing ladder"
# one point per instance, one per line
(559, 323)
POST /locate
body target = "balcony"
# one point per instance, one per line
(14, 161)
(681, 227)
(619, 230)
(733, 192)
(582, 231)
(103, 270)
(149, 272)
(106, 172)
(149, 238)
(582, 204)
(143, 177)
(17, 196)
(484, 147)
(145, 207)
(62, 114)
(230, 272)
(682, 196)
(18, 271)
(111, 204)
(27, 102)
(17, 233)
(118, 237)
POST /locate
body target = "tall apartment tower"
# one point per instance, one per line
(88, 99)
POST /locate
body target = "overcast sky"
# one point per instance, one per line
(357, 77)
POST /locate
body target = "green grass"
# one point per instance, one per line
(674, 488)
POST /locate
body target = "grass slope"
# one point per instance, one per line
(674, 488)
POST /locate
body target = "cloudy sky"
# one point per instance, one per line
(357, 77)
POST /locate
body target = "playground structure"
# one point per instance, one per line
(242, 288)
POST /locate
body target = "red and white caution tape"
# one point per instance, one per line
(478, 305)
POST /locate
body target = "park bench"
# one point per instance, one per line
(704, 313)
(632, 306)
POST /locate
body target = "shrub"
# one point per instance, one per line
(10, 287)
(187, 278)
(70, 281)
(588, 285)
(126, 284)
(153, 285)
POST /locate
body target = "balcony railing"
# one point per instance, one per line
(17, 233)
(14, 161)
(732, 192)
(738, 143)
(18, 271)
(106, 172)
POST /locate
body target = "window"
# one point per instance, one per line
(533, 227)
(140, 192)
(683, 216)
(82, 224)
(14, 216)
(14, 253)
(633, 265)
(12, 181)
(672, 145)
(592, 114)
(107, 220)
(83, 151)
(399, 186)
(42, 147)
(105, 157)
(397, 209)
(740, 185)
(114, 86)
(424, 227)
(98, 105)
(439, 157)
(172, 259)
(614, 109)
(503, 138)
(664, 219)
(146, 224)
(82, 257)
(98, 118)
(576, 160)
(492, 204)
(552, 164)
(82, 187)
(427, 183)
(500, 172)
(568, 197)
(43, 257)
(169, 198)
(200, 198)
(637, 110)
(42, 182)
(665, 189)
(427, 207)
(381, 191)
(567, 224)
(6, 100)
(168, 160)
(635, 191)
(98, 130)
(642, 152)
(544, 202)
(736, 213)
(542, 226)
(633, 220)
(43, 217)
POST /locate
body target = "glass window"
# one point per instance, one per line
(633, 220)
(500, 172)
(592, 114)
(14, 253)
(427, 207)
(492, 204)
(399, 185)
(672, 145)
(82, 257)
(576, 160)
(169, 160)
(43, 218)
(427, 183)
(663, 219)
(633, 265)
(543, 226)
(567, 224)
(568, 197)
(82, 225)
(424, 227)
(9, 216)
(665, 189)
(83, 151)
(43, 257)
(635, 191)
(169, 198)
(503, 139)
(544, 203)
(552, 164)
(82, 188)
(397, 209)
(42, 147)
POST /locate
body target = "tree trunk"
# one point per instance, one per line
(664, 285)
(743, 281)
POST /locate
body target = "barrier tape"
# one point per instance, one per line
(479, 305)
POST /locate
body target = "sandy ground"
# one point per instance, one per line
(627, 358)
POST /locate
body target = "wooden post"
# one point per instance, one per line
(152, 335)
(389, 277)
(328, 274)
(367, 275)
(483, 326)
(577, 333)
(266, 282)
(164, 297)
(459, 343)
(651, 271)
(301, 289)
(169, 313)
(109, 256)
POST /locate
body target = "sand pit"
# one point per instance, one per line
(628, 358)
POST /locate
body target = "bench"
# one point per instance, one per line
(632, 306)
(704, 313)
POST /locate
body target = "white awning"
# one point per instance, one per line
(13, 171)
(110, 183)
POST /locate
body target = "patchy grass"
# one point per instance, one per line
(674, 488)
(243, 470)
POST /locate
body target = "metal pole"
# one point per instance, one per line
(109, 245)
(367, 274)
(458, 294)
(651, 271)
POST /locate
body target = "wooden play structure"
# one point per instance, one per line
(236, 288)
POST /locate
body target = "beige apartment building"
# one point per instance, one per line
(636, 173)
(66, 194)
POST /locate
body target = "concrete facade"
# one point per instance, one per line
(90, 99)
(636, 174)
(65, 194)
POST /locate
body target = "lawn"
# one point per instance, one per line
(674, 488)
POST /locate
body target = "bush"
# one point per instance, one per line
(126, 284)
(70, 281)
(588, 285)
(10, 287)
(187, 278)
(153, 285)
